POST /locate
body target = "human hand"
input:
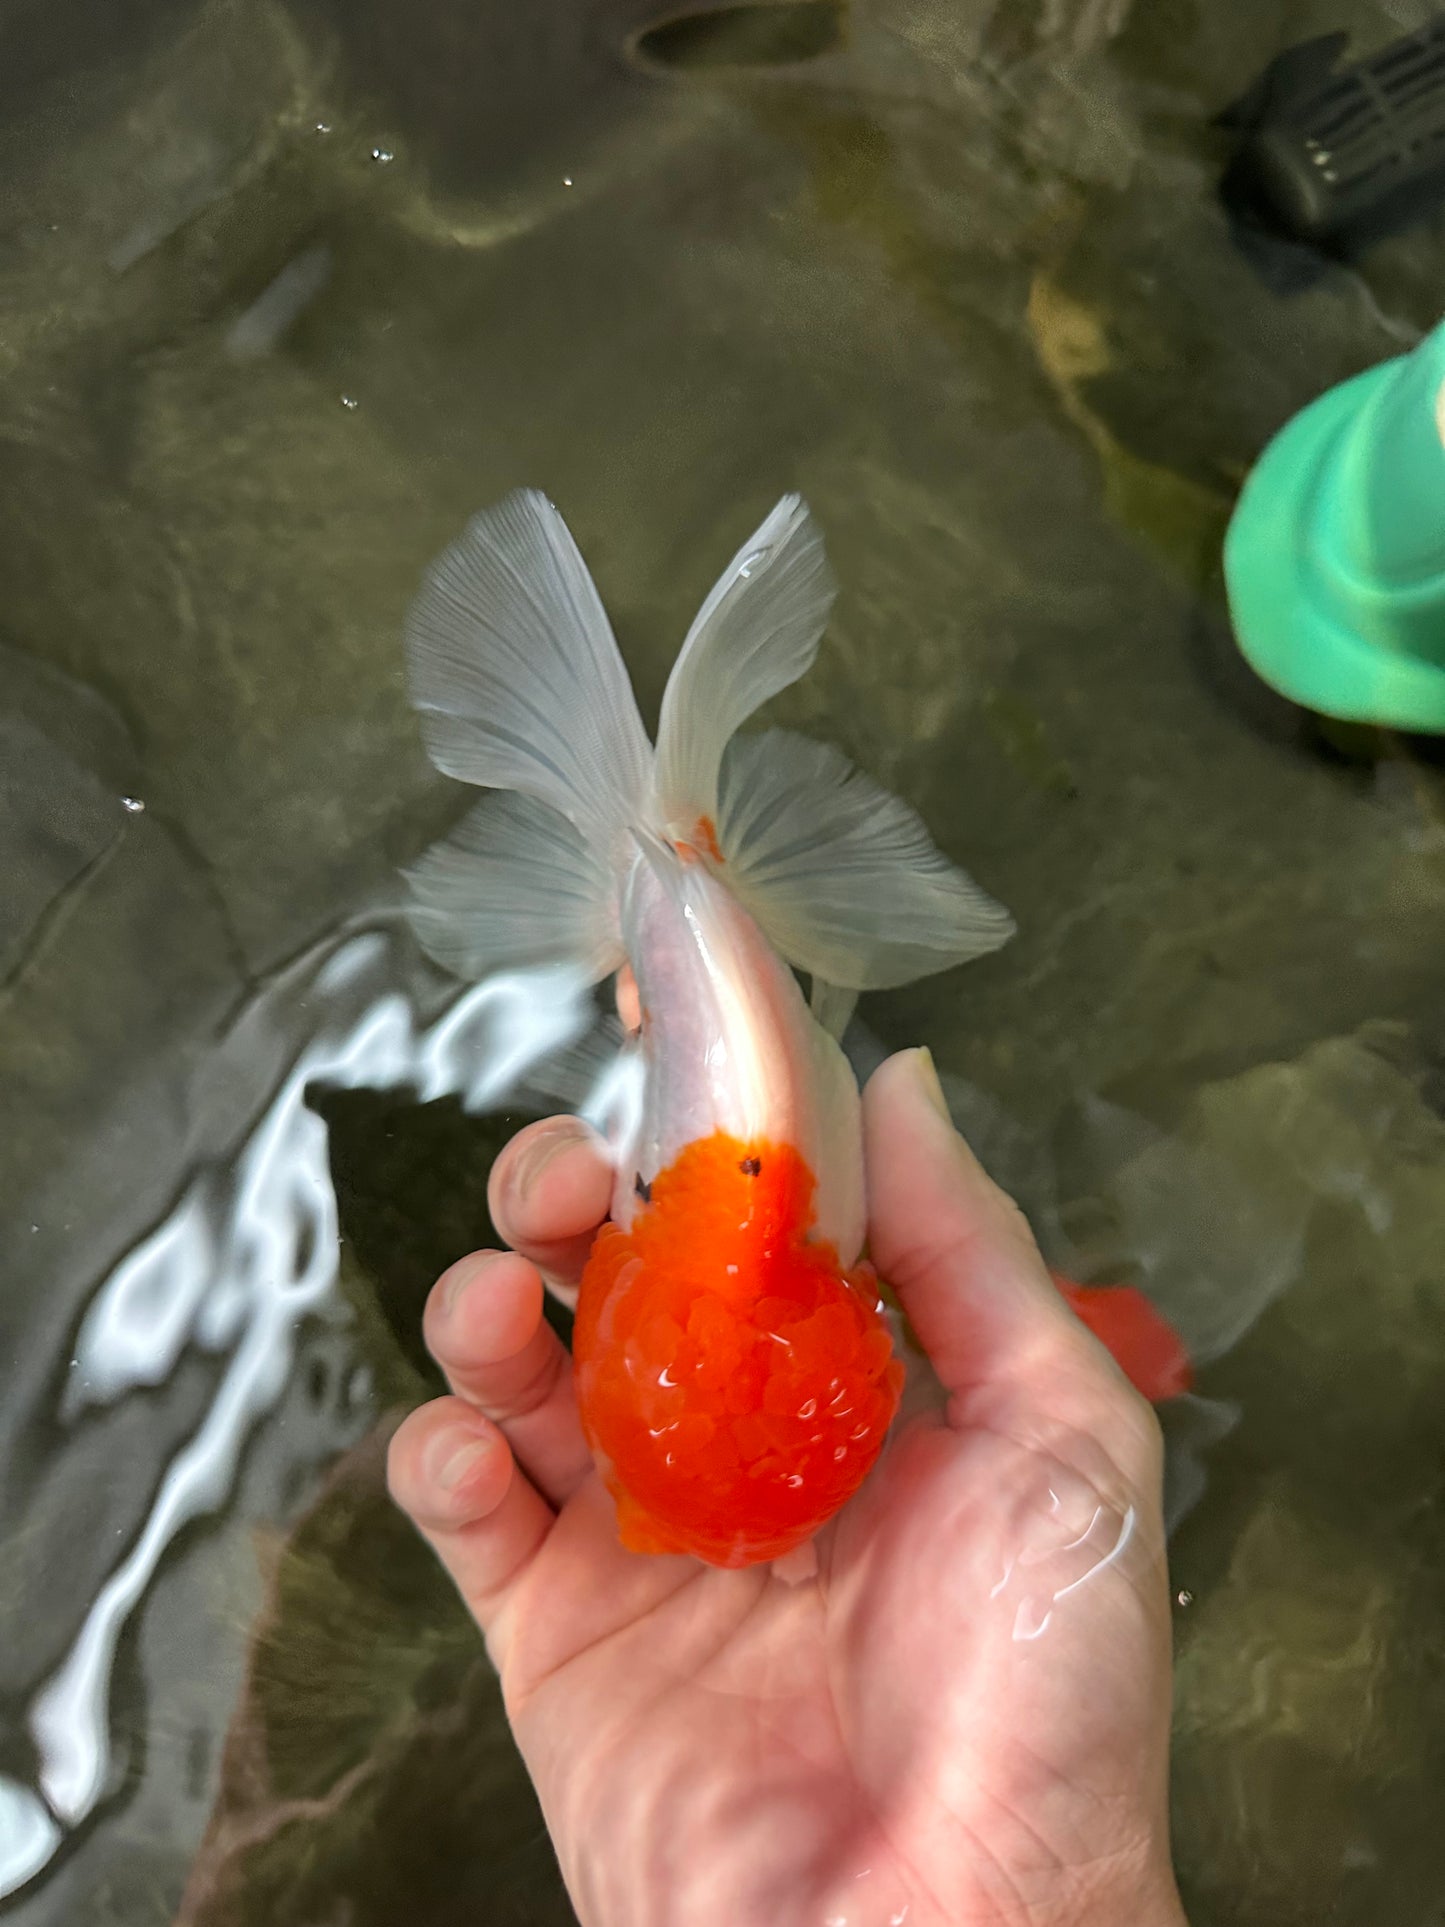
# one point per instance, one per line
(961, 1718)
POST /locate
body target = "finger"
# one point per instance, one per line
(548, 1192)
(450, 1471)
(484, 1326)
(955, 1248)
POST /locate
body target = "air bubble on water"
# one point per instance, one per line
(323, 127)
(348, 401)
(566, 180)
(1184, 1597)
(382, 155)
(133, 805)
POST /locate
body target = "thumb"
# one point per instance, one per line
(956, 1249)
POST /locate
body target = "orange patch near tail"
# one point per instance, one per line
(735, 1383)
(703, 836)
(1144, 1345)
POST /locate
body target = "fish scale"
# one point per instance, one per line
(735, 1380)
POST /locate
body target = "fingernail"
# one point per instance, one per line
(453, 1456)
(539, 1154)
(926, 1074)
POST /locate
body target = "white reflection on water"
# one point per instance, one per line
(29, 1834)
(246, 1254)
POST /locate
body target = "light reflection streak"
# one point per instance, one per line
(1029, 1621)
(247, 1254)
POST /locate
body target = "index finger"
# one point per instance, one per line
(549, 1190)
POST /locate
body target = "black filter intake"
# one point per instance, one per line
(1336, 156)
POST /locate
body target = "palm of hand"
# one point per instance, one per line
(960, 1717)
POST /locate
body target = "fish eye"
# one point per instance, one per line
(750, 1167)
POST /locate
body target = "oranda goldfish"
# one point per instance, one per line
(734, 1372)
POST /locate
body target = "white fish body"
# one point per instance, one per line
(732, 1047)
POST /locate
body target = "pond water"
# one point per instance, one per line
(287, 291)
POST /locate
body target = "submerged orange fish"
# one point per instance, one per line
(734, 1373)
(1145, 1346)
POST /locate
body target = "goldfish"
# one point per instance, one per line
(734, 1367)
(1143, 1343)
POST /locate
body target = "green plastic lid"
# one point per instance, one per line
(1335, 558)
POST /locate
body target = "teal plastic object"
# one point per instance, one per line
(1334, 561)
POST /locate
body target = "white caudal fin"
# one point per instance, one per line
(513, 886)
(757, 632)
(513, 666)
(512, 663)
(843, 876)
(832, 1006)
